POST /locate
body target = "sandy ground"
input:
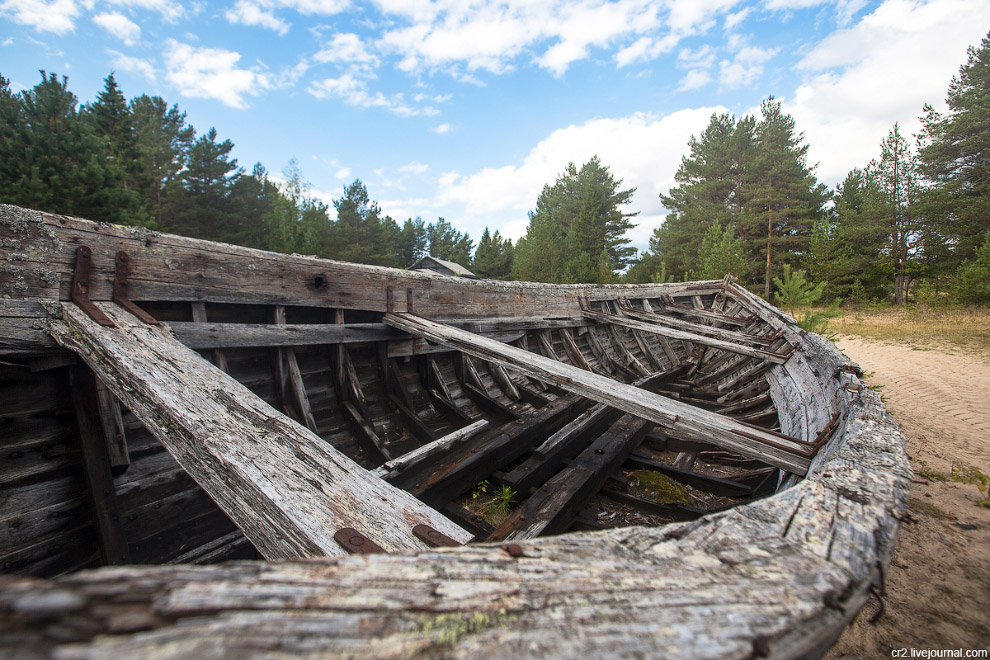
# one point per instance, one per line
(938, 587)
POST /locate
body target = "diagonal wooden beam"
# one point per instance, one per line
(789, 454)
(287, 489)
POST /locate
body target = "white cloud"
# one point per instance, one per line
(491, 36)
(343, 173)
(123, 62)
(212, 73)
(261, 13)
(254, 15)
(169, 9)
(440, 129)
(845, 10)
(346, 48)
(745, 67)
(119, 26)
(56, 16)
(414, 168)
(883, 69)
(694, 79)
(354, 91)
(642, 150)
(732, 21)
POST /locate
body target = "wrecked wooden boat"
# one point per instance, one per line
(466, 466)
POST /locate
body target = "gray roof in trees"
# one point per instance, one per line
(441, 265)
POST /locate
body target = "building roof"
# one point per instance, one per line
(454, 268)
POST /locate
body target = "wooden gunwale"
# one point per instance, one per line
(789, 570)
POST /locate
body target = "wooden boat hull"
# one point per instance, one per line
(350, 354)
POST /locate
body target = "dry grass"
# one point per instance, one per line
(922, 326)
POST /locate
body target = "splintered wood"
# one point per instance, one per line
(287, 489)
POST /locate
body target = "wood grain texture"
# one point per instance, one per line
(779, 577)
(281, 484)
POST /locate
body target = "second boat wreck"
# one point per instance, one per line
(169, 400)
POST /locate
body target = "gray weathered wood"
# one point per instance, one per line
(281, 484)
(722, 431)
(434, 448)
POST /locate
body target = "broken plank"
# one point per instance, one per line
(436, 447)
(438, 480)
(286, 488)
(705, 482)
(553, 506)
(719, 429)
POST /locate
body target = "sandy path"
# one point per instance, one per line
(938, 586)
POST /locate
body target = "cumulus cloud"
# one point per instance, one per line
(440, 129)
(346, 48)
(56, 16)
(212, 73)
(492, 36)
(745, 67)
(859, 80)
(119, 26)
(254, 15)
(136, 65)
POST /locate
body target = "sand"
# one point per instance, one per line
(937, 592)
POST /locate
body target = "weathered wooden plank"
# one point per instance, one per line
(721, 430)
(559, 447)
(97, 469)
(435, 448)
(439, 480)
(281, 484)
(722, 344)
(706, 482)
(114, 435)
(695, 328)
(553, 506)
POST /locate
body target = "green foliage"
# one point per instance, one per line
(816, 320)
(828, 255)
(954, 155)
(660, 488)
(793, 290)
(577, 232)
(972, 283)
(447, 243)
(493, 258)
(721, 253)
(752, 174)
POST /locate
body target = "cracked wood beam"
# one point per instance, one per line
(719, 429)
(287, 489)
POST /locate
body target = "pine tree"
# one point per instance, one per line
(445, 242)
(785, 198)
(163, 140)
(828, 255)
(721, 253)
(360, 234)
(793, 290)
(892, 182)
(954, 154)
(493, 258)
(576, 219)
(412, 242)
(205, 207)
(52, 160)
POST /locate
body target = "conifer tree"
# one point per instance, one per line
(493, 258)
(412, 242)
(721, 253)
(954, 155)
(163, 140)
(447, 243)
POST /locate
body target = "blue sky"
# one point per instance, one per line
(464, 110)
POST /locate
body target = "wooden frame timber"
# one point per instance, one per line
(561, 407)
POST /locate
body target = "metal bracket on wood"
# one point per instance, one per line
(122, 272)
(356, 543)
(80, 287)
(433, 538)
